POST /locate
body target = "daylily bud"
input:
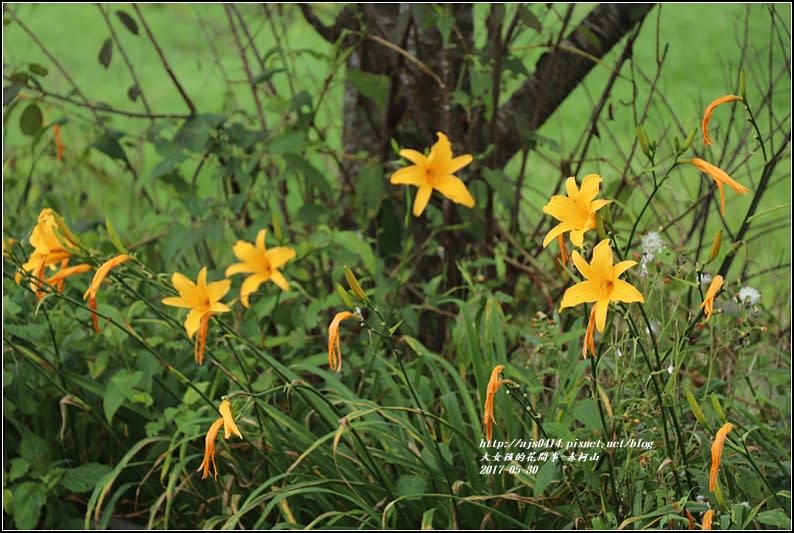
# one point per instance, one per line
(643, 139)
(693, 405)
(354, 285)
(715, 245)
(344, 296)
(688, 141)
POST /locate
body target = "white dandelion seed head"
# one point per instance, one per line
(618, 353)
(749, 296)
(670, 369)
(652, 244)
(705, 279)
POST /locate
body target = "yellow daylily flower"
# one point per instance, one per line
(576, 211)
(261, 263)
(720, 177)
(209, 450)
(334, 349)
(494, 383)
(710, 110)
(203, 300)
(48, 250)
(601, 285)
(435, 171)
(711, 293)
(716, 453)
(99, 277)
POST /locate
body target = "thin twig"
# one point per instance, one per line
(164, 61)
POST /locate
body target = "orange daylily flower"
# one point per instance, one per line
(711, 293)
(99, 277)
(260, 263)
(576, 211)
(720, 177)
(716, 453)
(488, 420)
(58, 278)
(601, 286)
(710, 110)
(708, 516)
(203, 300)
(209, 450)
(56, 132)
(229, 427)
(334, 349)
(434, 171)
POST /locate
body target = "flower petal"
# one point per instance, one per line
(251, 284)
(245, 252)
(413, 175)
(422, 197)
(459, 162)
(218, 289)
(601, 264)
(589, 189)
(623, 291)
(279, 255)
(581, 264)
(570, 188)
(595, 205)
(219, 307)
(414, 157)
(201, 282)
(193, 321)
(279, 279)
(176, 301)
(585, 291)
(454, 189)
(621, 267)
(601, 307)
(183, 285)
(554, 232)
(441, 152)
(240, 268)
(561, 208)
(260, 240)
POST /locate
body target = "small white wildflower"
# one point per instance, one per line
(705, 279)
(700, 498)
(652, 244)
(670, 369)
(643, 267)
(618, 353)
(441, 251)
(656, 327)
(749, 296)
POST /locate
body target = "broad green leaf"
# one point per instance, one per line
(28, 499)
(31, 120)
(373, 86)
(84, 477)
(106, 52)
(356, 244)
(128, 21)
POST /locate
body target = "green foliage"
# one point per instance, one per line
(108, 424)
